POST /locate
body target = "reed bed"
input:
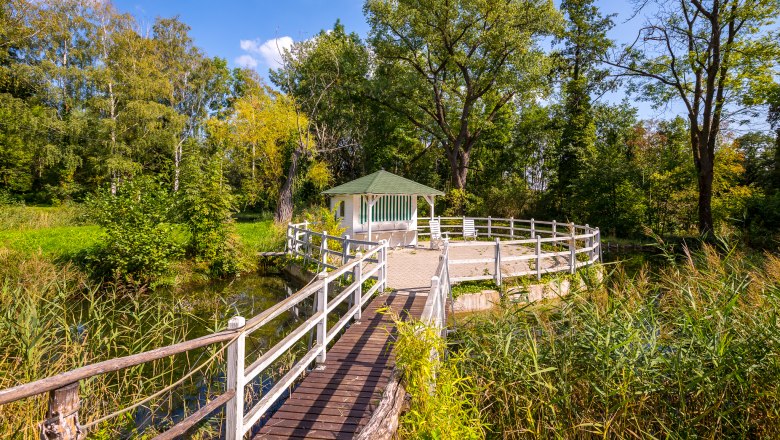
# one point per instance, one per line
(688, 351)
(53, 319)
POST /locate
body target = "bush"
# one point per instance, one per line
(206, 209)
(138, 245)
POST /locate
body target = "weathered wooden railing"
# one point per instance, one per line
(546, 240)
(62, 418)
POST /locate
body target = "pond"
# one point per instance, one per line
(210, 307)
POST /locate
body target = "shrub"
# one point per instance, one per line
(206, 209)
(138, 245)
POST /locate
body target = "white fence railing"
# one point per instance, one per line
(435, 310)
(548, 243)
(363, 267)
(327, 251)
(64, 398)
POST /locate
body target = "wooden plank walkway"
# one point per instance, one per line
(336, 401)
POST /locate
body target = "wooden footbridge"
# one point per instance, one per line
(342, 383)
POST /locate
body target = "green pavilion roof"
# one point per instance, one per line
(383, 182)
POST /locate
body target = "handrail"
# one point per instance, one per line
(568, 240)
(435, 311)
(238, 376)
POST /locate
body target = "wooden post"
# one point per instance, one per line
(235, 381)
(598, 240)
(345, 250)
(490, 226)
(511, 228)
(538, 258)
(572, 251)
(498, 263)
(324, 249)
(589, 242)
(435, 291)
(382, 261)
(62, 417)
(322, 307)
(554, 229)
(533, 229)
(307, 251)
(357, 276)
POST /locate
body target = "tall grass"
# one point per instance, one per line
(53, 320)
(691, 351)
(442, 400)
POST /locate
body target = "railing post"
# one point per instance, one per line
(573, 250)
(598, 240)
(322, 307)
(490, 226)
(589, 242)
(357, 276)
(533, 229)
(538, 258)
(324, 249)
(554, 229)
(307, 243)
(235, 381)
(497, 275)
(62, 417)
(435, 291)
(345, 250)
(511, 228)
(382, 262)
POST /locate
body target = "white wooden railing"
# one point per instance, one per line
(327, 251)
(435, 310)
(62, 416)
(547, 241)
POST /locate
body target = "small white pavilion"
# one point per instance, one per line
(381, 206)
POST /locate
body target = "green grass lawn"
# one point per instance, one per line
(70, 240)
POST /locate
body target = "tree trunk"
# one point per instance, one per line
(706, 173)
(284, 207)
(459, 163)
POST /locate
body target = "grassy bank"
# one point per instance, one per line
(690, 351)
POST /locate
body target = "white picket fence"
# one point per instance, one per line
(548, 242)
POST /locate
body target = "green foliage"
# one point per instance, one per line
(441, 397)
(686, 352)
(206, 208)
(138, 245)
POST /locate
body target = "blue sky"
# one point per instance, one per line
(247, 32)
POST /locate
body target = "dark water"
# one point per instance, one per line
(210, 306)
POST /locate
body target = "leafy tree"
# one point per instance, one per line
(709, 55)
(450, 67)
(585, 43)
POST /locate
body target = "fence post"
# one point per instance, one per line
(490, 226)
(598, 240)
(235, 381)
(533, 228)
(307, 243)
(572, 251)
(435, 291)
(498, 262)
(538, 258)
(345, 250)
(288, 243)
(555, 229)
(382, 258)
(322, 307)
(511, 228)
(62, 417)
(357, 276)
(589, 242)
(324, 249)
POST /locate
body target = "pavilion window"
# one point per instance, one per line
(389, 208)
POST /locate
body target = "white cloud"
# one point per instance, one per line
(270, 51)
(247, 61)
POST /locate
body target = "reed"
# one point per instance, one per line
(688, 351)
